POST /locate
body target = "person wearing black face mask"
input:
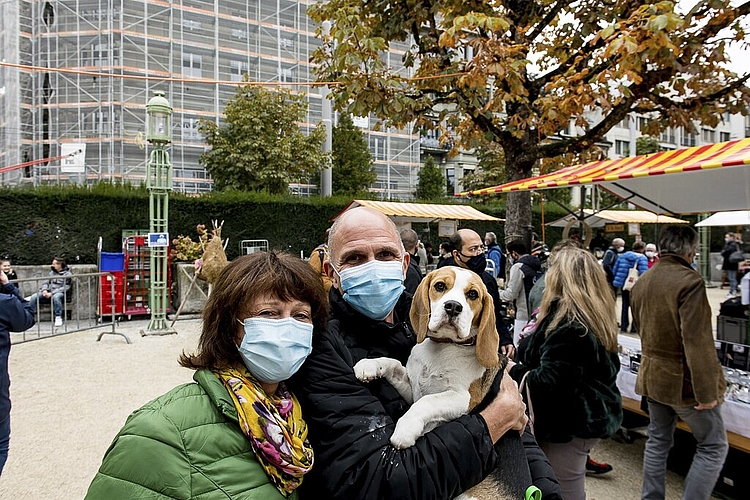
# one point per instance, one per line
(468, 252)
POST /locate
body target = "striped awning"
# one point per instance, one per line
(708, 178)
(419, 212)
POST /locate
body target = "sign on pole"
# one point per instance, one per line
(158, 239)
(74, 161)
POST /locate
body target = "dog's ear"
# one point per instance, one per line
(419, 314)
(488, 340)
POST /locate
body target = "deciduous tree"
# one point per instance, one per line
(353, 170)
(431, 185)
(260, 146)
(470, 61)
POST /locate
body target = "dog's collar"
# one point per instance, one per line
(441, 340)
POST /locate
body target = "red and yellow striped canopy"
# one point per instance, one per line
(715, 177)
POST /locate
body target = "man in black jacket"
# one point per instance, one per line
(351, 422)
(410, 240)
(469, 254)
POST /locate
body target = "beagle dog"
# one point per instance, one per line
(453, 367)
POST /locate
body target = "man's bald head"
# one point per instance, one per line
(359, 218)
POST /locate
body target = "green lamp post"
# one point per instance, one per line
(159, 184)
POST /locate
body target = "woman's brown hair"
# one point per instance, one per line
(245, 279)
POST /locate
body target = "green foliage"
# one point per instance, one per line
(260, 147)
(353, 170)
(431, 185)
(611, 57)
(490, 171)
(647, 144)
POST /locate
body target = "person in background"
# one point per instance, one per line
(53, 289)
(524, 272)
(413, 274)
(571, 363)
(15, 316)
(468, 253)
(495, 254)
(351, 422)
(430, 257)
(237, 432)
(421, 255)
(599, 244)
(609, 259)
(9, 272)
(626, 261)
(680, 376)
(730, 246)
(445, 255)
(317, 257)
(651, 254)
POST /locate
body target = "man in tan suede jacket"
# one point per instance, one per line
(679, 374)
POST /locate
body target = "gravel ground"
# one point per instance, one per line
(72, 394)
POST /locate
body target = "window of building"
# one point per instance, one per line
(689, 138)
(191, 64)
(450, 180)
(622, 148)
(100, 54)
(286, 75)
(668, 136)
(724, 136)
(239, 34)
(624, 123)
(190, 24)
(708, 135)
(190, 130)
(641, 123)
(237, 70)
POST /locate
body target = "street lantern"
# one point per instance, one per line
(159, 119)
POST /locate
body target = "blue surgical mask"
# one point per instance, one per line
(274, 349)
(373, 288)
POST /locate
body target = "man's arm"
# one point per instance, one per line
(506, 336)
(16, 309)
(350, 431)
(515, 285)
(698, 342)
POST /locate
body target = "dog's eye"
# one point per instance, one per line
(472, 295)
(439, 286)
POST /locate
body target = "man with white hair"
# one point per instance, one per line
(351, 422)
(609, 259)
(651, 254)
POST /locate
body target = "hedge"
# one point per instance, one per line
(68, 221)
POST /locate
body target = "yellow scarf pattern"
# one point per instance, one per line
(274, 426)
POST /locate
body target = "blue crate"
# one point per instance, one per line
(112, 261)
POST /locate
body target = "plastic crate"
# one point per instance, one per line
(731, 329)
(112, 261)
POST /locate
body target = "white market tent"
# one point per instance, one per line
(602, 217)
(734, 218)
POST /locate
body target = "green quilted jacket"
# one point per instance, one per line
(185, 444)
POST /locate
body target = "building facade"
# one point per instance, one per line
(78, 73)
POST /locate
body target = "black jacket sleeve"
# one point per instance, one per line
(542, 475)
(506, 334)
(350, 428)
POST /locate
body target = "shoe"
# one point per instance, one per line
(596, 468)
(58, 321)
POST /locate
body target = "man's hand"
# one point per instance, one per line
(508, 350)
(46, 294)
(706, 406)
(507, 411)
(3, 278)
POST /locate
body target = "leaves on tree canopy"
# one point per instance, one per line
(260, 147)
(471, 60)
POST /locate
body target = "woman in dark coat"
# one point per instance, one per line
(571, 365)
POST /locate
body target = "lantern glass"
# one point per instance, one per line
(159, 126)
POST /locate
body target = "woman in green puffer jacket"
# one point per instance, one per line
(237, 432)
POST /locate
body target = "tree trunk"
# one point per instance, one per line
(518, 204)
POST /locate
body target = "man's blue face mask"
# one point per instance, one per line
(373, 288)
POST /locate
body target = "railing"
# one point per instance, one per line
(81, 308)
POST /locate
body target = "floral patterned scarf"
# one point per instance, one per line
(274, 426)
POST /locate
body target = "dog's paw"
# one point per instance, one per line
(406, 433)
(367, 370)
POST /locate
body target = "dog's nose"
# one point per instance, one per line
(453, 308)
